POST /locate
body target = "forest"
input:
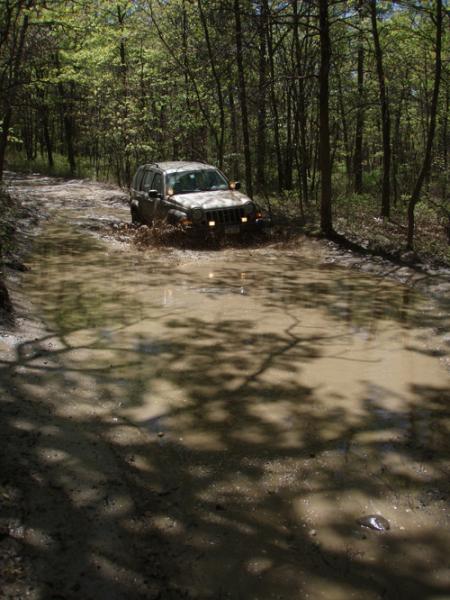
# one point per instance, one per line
(251, 400)
(332, 112)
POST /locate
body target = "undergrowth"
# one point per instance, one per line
(356, 217)
(84, 169)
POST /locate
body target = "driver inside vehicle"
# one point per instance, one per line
(194, 181)
(186, 183)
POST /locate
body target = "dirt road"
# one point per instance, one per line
(216, 424)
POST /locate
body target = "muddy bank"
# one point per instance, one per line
(252, 422)
(426, 278)
(23, 216)
(7, 239)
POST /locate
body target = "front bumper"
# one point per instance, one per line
(254, 226)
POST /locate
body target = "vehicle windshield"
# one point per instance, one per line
(203, 180)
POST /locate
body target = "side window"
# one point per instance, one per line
(145, 185)
(158, 183)
(137, 179)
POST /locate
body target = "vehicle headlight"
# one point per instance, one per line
(249, 208)
(197, 215)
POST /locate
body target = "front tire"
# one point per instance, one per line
(134, 215)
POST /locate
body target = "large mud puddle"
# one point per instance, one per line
(257, 404)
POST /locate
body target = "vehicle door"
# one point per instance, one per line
(146, 204)
(160, 206)
(136, 183)
(135, 190)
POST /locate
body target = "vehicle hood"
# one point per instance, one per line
(211, 200)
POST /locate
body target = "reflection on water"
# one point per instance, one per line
(281, 403)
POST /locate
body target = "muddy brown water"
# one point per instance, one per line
(217, 424)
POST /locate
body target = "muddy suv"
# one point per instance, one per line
(194, 196)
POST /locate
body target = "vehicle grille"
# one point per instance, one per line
(225, 216)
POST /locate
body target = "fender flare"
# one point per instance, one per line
(174, 216)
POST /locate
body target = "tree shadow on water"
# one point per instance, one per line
(205, 461)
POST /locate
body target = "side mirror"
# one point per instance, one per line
(153, 194)
(235, 185)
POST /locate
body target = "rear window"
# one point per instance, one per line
(157, 183)
(137, 179)
(146, 182)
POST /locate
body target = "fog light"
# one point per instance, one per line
(211, 223)
(244, 219)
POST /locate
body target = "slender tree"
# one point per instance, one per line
(217, 81)
(13, 38)
(261, 136)
(426, 164)
(359, 125)
(385, 116)
(243, 98)
(326, 220)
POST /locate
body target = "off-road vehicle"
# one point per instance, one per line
(192, 195)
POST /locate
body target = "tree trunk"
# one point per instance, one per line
(344, 127)
(218, 83)
(396, 143)
(288, 154)
(124, 96)
(262, 83)
(385, 117)
(68, 130)
(424, 171)
(67, 122)
(236, 171)
(47, 138)
(359, 126)
(445, 147)
(6, 124)
(12, 92)
(302, 117)
(274, 103)
(298, 164)
(243, 99)
(326, 221)
(28, 133)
